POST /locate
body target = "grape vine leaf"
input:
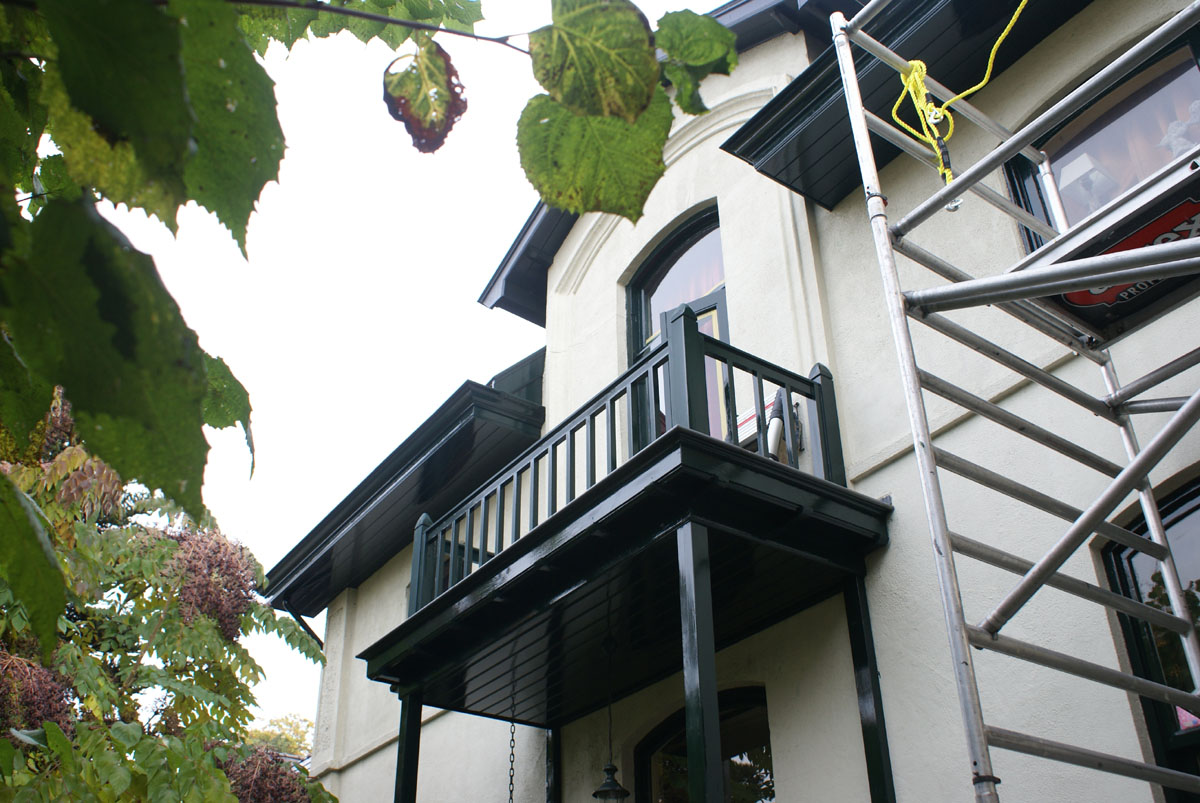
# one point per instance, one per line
(596, 58)
(696, 46)
(239, 141)
(28, 564)
(120, 64)
(590, 163)
(426, 95)
(89, 312)
(227, 402)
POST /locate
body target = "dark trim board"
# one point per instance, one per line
(472, 435)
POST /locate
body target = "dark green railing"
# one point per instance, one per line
(674, 384)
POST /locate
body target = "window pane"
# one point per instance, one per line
(697, 272)
(1128, 134)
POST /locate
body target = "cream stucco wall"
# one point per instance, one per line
(802, 287)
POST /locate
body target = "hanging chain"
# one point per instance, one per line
(512, 730)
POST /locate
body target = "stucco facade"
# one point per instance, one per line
(802, 288)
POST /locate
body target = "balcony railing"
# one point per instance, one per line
(676, 383)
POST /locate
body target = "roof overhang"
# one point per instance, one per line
(802, 138)
(519, 283)
(469, 438)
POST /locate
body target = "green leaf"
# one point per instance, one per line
(28, 565)
(127, 734)
(365, 30)
(597, 58)
(120, 63)
(695, 46)
(56, 181)
(262, 24)
(58, 742)
(426, 95)
(697, 40)
(113, 169)
(227, 402)
(88, 312)
(8, 754)
(239, 142)
(593, 164)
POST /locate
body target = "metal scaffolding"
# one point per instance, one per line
(1021, 292)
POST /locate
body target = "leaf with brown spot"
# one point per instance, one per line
(426, 95)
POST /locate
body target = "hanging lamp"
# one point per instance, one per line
(610, 789)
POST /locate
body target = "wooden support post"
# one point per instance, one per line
(419, 586)
(826, 436)
(554, 765)
(706, 777)
(870, 696)
(688, 406)
(408, 748)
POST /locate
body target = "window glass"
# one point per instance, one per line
(662, 772)
(1128, 134)
(696, 272)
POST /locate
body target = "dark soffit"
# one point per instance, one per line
(519, 283)
(470, 437)
(802, 138)
(524, 635)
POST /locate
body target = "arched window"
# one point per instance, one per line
(1157, 654)
(687, 268)
(660, 759)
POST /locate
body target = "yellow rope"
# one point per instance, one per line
(930, 114)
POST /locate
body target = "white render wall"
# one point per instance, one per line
(803, 286)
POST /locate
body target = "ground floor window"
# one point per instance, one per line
(1157, 654)
(660, 773)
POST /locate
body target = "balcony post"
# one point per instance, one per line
(828, 462)
(702, 718)
(417, 587)
(686, 383)
(408, 748)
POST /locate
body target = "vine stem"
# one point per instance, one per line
(367, 15)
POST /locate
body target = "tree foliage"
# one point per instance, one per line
(147, 694)
(154, 103)
(290, 734)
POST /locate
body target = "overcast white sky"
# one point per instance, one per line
(355, 315)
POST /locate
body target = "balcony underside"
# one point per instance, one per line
(524, 637)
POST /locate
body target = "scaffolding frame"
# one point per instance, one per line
(1017, 292)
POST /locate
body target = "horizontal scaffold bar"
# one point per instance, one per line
(1155, 377)
(1177, 258)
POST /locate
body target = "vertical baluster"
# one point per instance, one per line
(730, 402)
(483, 529)
(439, 583)
(552, 483)
(790, 426)
(469, 542)
(516, 508)
(631, 406)
(534, 491)
(569, 458)
(590, 449)
(500, 517)
(610, 410)
(760, 414)
(455, 552)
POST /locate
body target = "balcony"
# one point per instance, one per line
(563, 563)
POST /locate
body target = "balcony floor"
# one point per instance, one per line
(526, 632)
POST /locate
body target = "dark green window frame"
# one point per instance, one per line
(1174, 746)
